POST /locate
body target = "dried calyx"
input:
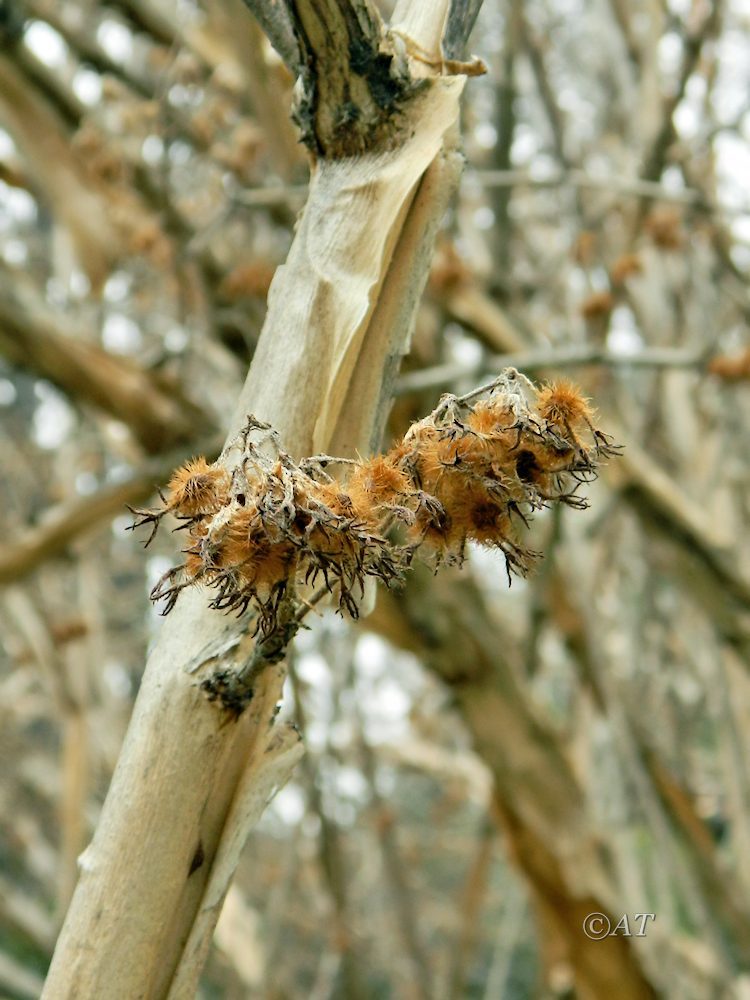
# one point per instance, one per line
(473, 470)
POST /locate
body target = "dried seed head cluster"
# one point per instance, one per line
(473, 470)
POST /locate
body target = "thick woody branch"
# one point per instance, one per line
(656, 155)
(158, 417)
(352, 85)
(338, 306)
(74, 198)
(461, 18)
(550, 358)
(276, 22)
(708, 569)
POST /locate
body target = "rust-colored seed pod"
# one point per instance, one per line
(198, 488)
(561, 402)
(258, 523)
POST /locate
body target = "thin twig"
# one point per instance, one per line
(565, 357)
(625, 187)
(63, 525)
(332, 863)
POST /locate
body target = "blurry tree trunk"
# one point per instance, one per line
(76, 199)
(538, 798)
(192, 780)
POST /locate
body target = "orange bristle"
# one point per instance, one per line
(562, 405)
(534, 462)
(198, 488)
(490, 416)
(374, 483)
(465, 473)
(332, 495)
(438, 534)
(244, 547)
(193, 565)
(468, 449)
(275, 567)
(242, 538)
(487, 521)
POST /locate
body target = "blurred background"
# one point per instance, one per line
(485, 766)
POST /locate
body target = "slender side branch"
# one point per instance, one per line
(275, 20)
(30, 336)
(564, 357)
(61, 527)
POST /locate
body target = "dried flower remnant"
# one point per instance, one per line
(731, 368)
(475, 469)
(664, 225)
(624, 267)
(597, 305)
(196, 490)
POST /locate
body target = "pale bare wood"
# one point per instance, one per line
(231, 40)
(332, 280)
(335, 871)
(63, 686)
(259, 782)
(391, 326)
(421, 23)
(469, 907)
(75, 787)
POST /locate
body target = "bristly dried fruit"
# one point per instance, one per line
(473, 470)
